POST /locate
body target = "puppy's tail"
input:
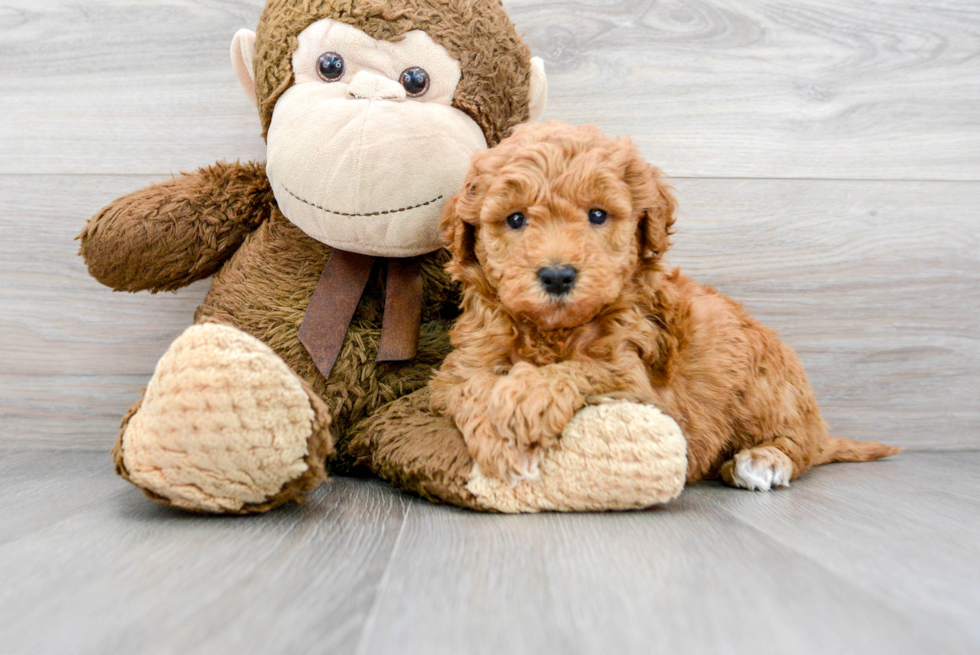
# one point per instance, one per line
(837, 449)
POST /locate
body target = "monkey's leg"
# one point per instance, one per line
(611, 456)
(224, 426)
(415, 449)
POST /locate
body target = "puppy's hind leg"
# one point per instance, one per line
(775, 463)
(781, 428)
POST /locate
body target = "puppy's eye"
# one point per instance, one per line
(597, 216)
(516, 221)
(415, 80)
(330, 66)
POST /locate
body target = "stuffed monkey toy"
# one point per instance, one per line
(329, 307)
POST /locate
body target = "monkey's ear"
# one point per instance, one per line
(538, 91)
(242, 54)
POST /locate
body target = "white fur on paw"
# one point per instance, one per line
(529, 470)
(757, 472)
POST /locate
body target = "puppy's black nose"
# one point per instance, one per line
(558, 280)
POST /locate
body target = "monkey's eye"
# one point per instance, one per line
(330, 66)
(597, 216)
(415, 80)
(516, 221)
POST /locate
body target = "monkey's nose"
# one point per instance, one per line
(558, 280)
(368, 86)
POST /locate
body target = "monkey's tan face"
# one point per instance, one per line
(365, 147)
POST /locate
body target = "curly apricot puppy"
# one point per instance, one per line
(557, 238)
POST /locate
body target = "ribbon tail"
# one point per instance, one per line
(332, 307)
(402, 312)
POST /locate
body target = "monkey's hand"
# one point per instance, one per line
(168, 235)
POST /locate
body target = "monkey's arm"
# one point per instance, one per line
(168, 235)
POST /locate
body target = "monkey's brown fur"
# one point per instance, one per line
(223, 221)
(525, 362)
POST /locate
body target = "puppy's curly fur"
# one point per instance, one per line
(526, 360)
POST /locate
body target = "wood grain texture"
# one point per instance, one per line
(926, 515)
(123, 87)
(815, 89)
(89, 566)
(820, 89)
(869, 558)
(66, 411)
(876, 284)
(825, 567)
(57, 320)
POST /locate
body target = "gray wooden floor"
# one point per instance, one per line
(879, 558)
(826, 155)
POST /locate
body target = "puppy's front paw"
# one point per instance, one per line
(498, 456)
(758, 469)
(530, 409)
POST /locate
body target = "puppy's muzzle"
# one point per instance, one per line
(558, 280)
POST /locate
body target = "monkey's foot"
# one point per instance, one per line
(612, 456)
(224, 426)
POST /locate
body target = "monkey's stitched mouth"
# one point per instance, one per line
(354, 215)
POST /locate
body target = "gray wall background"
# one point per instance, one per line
(826, 157)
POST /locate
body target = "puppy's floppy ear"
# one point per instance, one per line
(459, 234)
(658, 220)
(654, 198)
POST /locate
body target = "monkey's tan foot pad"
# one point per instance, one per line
(612, 456)
(224, 426)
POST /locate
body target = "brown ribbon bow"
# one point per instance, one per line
(336, 298)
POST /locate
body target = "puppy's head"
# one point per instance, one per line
(556, 220)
